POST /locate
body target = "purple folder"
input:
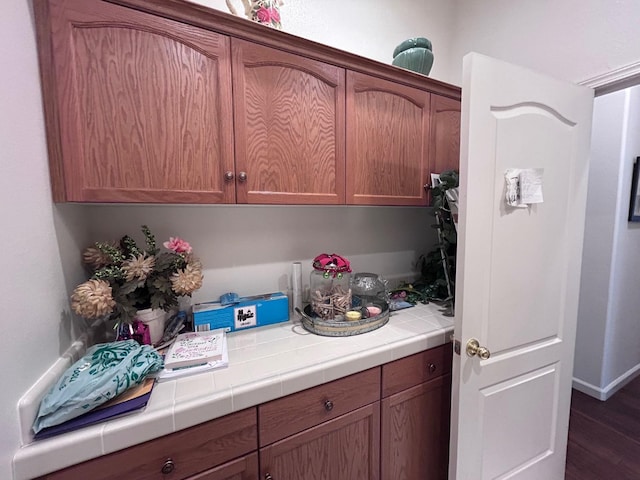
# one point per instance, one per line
(97, 415)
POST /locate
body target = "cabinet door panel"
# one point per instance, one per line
(289, 127)
(143, 109)
(387, 135)
(245, 468)
(415, 432)
(345, 448)
(445, 134)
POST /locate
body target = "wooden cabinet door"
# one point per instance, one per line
(345, 448)
(138, 107)
(244, 468)
(444, 144)
(289, 127)
(415, 432)
(387, 135)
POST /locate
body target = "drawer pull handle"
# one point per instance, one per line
(168, 466)
(431, 367)
(268, 477)
(328, 405)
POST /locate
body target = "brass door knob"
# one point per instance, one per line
(474, 348)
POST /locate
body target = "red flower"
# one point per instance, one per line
(264, 15)
(275, 15)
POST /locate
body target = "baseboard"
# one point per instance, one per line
(588, 389)
(606, 392)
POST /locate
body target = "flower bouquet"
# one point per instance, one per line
(126, 278)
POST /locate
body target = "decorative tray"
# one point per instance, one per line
(339, 327)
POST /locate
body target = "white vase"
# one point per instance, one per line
(154, 319)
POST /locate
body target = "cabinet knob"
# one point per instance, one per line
(328, 405)
(431, 367)
(268, 477)
(242, 176)
(168, 466)
(228, 176)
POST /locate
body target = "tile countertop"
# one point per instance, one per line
(264, 364)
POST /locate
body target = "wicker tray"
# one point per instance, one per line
(343, 328)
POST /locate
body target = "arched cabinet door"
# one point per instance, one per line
(138, 107)
(387, 142)
(289, 119)
(444, 144)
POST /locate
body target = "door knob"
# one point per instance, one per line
(242, 176)
(474, 348)
(228, 176)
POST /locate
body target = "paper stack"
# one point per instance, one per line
(195, 352)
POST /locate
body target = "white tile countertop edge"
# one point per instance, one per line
(264, 364)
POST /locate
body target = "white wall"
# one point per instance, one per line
(597, 255)
(249, 249)
(244, 248)
(573, 40)
(38, 241)
(608, 338)
(369, 28)
(622, 356)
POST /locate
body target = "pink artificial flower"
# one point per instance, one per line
(178, 245)
(275, 15)
(264, 15)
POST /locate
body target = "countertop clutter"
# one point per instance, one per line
(264, 364)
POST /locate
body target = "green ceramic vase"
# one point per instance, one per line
(414, 54)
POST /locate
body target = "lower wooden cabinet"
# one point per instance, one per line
(244, 468)
(345, 448)
(385, 423)
(176, 456)
(415, 432)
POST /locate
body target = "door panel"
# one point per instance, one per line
(345, 448)
(387, 142)
(289, 122)
(144, 107)
(518, 271)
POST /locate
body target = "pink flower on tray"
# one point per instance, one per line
(264, 15)
(178, 245)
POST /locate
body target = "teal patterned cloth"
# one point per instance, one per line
(105, 371)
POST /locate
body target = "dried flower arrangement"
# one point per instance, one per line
(126, 278)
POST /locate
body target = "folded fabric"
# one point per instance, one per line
(104, 372)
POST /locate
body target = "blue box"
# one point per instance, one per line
(247, 312)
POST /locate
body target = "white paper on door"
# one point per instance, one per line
(523, 186)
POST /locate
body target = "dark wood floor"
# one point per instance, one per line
(604, 437)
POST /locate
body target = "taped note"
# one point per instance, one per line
(523, 186)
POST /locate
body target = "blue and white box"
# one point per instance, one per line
(246, 312)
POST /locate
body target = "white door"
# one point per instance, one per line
(518, 272)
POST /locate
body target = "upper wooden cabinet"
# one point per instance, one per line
(387, 142)
(138, 107)
(165, 101)
(289, 127)
(444, 142)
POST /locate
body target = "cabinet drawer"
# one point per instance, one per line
(292, 414)
(191, 451)
(415, 369)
